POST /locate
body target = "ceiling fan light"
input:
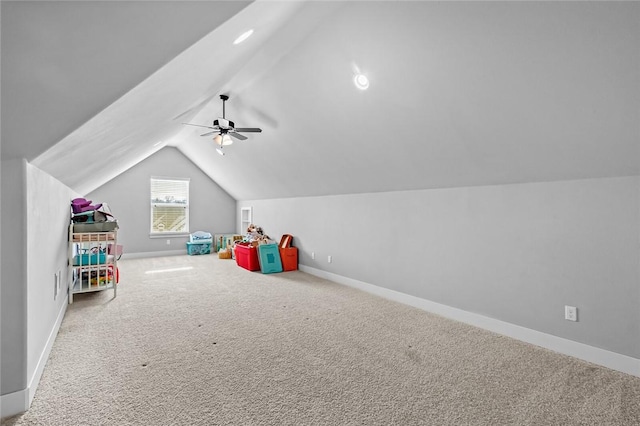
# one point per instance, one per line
(226, 140)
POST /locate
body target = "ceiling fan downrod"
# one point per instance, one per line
(224, 99)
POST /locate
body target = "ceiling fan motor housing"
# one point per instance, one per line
(223, 124)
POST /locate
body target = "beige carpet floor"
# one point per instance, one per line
(218, 345)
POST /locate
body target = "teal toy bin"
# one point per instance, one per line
(198, 248)
(89, 259)
(269, 257)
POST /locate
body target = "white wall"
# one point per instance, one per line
(47, 216)
(35, 221)
(516, 253)
(13, 287)
(210, 207)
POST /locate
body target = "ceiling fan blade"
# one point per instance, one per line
(237, 136)
(248, 129)
(209, 133)
(200, 125)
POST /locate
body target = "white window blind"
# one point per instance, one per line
(169, 205)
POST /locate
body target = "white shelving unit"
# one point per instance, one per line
(93, 265)
(245, 219)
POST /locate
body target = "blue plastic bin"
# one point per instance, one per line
(198, 248)
(89, 259)
(269, 256)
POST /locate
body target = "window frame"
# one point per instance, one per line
(163, 234)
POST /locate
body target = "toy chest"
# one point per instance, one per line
(288, 254)
(200, 242)
(247, 257)
(269, 258)
(198, 248)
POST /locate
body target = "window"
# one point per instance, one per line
(169, 205)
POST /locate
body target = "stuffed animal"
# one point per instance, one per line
(255, 234)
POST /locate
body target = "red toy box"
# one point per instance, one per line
(288, 254)
(289, 258)
(247, 257)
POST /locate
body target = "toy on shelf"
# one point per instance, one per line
(88, 217)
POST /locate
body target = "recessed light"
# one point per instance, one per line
(361, 81)
(243, 37)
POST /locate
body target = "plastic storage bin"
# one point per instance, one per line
(269, 258)
(95, 226)
(198, 248)
(288, 254)
(289, 257)
(89, 259)
(247, 257)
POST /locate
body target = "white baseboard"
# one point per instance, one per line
(44, 356)
(613, 360)
(14, 403)
(144, 254)
(20, 401)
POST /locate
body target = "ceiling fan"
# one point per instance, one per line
(224, 128)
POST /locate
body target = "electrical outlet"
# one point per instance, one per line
(329, 259)
(168, 242)
(570, 313)
(313, 255)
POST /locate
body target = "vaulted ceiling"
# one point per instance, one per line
(461, 93)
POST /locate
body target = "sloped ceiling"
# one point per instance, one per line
(65, 62)
(461, 94)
